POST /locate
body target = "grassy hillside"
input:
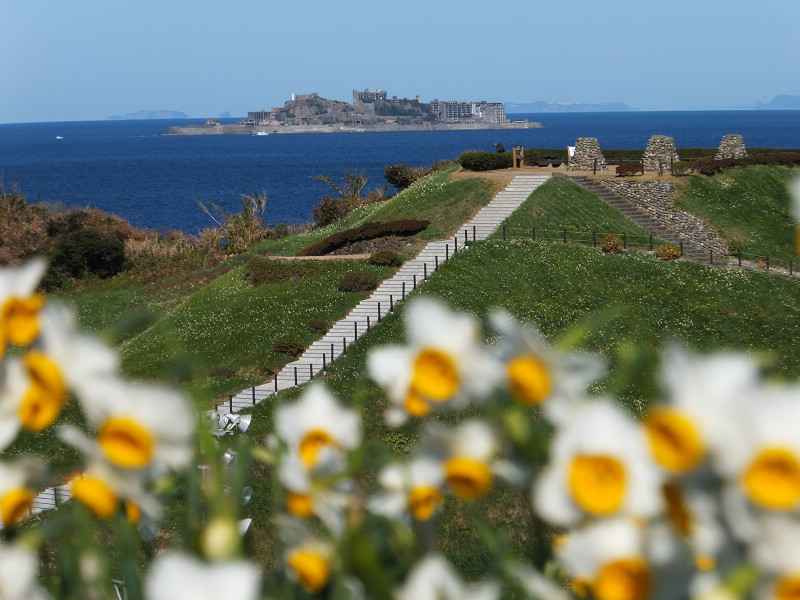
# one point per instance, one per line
(749, 206)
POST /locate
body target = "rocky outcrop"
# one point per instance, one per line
(660, 153)
(731, 146)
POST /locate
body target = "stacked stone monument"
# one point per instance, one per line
(587, 150)
(731, 146)
(660, 150)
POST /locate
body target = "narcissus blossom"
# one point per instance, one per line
(599, 467)
(177, 576)
(413, 489)
(318, 427)
(18, 580)
(435, 579)
(16, 490)
(19, 305)
(444, 363)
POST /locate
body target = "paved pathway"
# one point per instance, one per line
(413, 273)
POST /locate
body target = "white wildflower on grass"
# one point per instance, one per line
(599, 467)
(444, 363)
(433, 578)
(176, 576)
(317, 427)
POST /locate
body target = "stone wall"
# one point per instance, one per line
(660, 150)
(656, 198)
(731, 146)
(587, 150)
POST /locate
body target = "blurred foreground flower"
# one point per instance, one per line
(176, 576)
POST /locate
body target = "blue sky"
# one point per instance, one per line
(90, 59)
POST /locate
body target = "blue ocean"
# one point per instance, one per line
(131, 169)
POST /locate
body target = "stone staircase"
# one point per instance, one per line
(370, 311)
(691, 251)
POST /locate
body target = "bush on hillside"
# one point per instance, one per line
(385, 258)
(262, 270)
(367, 231)
(709, 166)
(611, 244)
(359, 281)
(287, 345)
(485, 161)
(629, 169)
(318, 326)
(682, 167)
(86, 252)
(402, 176)
(667, 252)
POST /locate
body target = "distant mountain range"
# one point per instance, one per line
(153, 114)
(562, 107)
(781, 102)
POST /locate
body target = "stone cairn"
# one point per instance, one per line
(731, 146)
(586, 151)
(660, 149)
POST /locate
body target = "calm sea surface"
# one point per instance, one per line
(129, 168)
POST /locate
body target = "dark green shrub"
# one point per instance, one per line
(401, 176)
(617, 157)
(287, 345)
(368, 231)
(611, 244)
(88, 251)
(318, 326)
(262, 270)
(535, 156)
(628, 169)
(485, 161)
(667, 252)
(329, 210)
(359, 281)
(681, 167)
(385, 258)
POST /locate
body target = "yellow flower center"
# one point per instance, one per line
(704, 562)
(311, 568)
(773, 479)
(530, 379)
(676, 508)
(96, 495)
(787, 588)
(312, 443)
(435, 376)
(423, 501)
(20, 319)
(46, 394)
(674, 440)
(416, 405)
(14, 505)
(580, 587)
(132, 511)
(468, 477)
(624, 579)
(126, 443)
(300, 505)
(597, 484)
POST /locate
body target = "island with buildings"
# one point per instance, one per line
(371, 110)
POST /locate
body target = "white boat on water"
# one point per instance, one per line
(261, 133)
(58, 137)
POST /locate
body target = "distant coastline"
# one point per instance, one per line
(243, 129)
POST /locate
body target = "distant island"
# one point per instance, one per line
(371, 110)
(780, 102)
(563, 107)
(152, 114)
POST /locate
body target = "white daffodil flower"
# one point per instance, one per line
(763, 458)
(323, 491)
(470, 458)
(702, 413)
(176, 576)
(138, 426)
(412, 489)
(19, 305)
(12, 393)
(435, 579)
(317, 427)
(16, 490)
(104, 489)
(444, 363)
(536, 374)
(599, 467)
(18, 577)
(609, 559)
